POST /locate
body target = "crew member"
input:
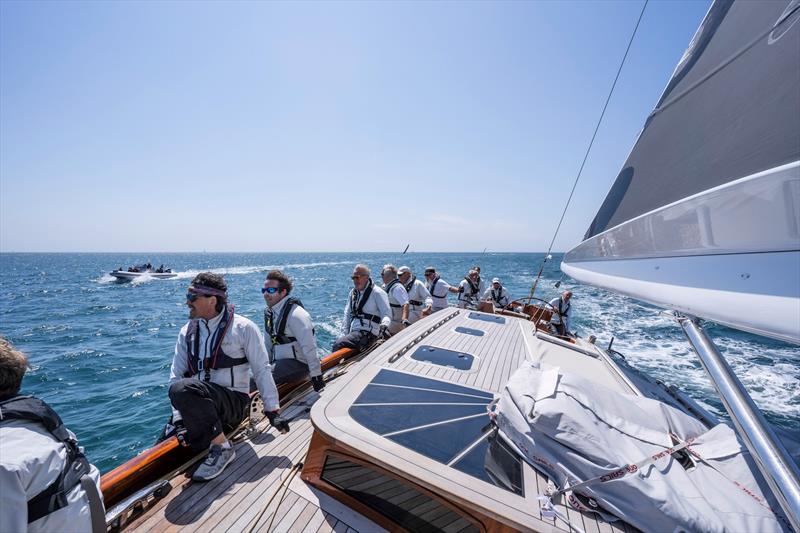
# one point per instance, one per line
(562, 307)
(290, 332)
(209, 380)
(497, 294)
(367, 314)
(398, 298)
(438, 289)
(46, 482)
(469, 290)
(481, 283)
(419, 299)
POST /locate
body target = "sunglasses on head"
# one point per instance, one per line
(269, 290)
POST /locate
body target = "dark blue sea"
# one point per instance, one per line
(100, 350)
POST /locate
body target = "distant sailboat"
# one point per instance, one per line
(407, 245)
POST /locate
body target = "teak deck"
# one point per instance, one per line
(262, 490)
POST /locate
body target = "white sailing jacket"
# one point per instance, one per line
(299, 326)
(377, 304)
(244, 339)
(418, 293)
(398, 297)
(564, 308)
(438, 291)
(468, 296)
(499, 298)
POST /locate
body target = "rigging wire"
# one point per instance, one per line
(589, 149)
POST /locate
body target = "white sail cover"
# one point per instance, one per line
(704, 216)
(575, 430)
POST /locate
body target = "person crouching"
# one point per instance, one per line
(209, 379)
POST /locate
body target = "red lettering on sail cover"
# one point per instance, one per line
(613, 475)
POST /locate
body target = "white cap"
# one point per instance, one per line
(496, 280)
(403, 270)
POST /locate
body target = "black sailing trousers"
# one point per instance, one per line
(207, 409)
(357, 339)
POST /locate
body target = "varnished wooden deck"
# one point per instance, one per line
(259, 491)
(262, 490)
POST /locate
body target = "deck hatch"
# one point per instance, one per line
(443, 357)
(469, 331)
(487, 318)
(442, 421)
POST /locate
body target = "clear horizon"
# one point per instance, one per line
(319, 125)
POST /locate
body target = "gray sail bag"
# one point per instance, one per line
(633, 458)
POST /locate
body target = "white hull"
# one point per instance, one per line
(128, 276)
(721, 288)
(730, 255)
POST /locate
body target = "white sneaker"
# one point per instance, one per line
(218, 458)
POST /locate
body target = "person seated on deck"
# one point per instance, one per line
(398, 298)
(469, 290)
(46, 482)
(497, 294)
(438, 289)
(160, 269)
(419, 299)
(367, 314)
(290, 332)
(209, 379)
(562, 307)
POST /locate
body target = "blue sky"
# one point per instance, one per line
(319, 126)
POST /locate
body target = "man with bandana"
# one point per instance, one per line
(210, 375)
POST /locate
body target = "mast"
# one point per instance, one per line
(774, 462)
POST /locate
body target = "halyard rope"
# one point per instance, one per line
(589, 149)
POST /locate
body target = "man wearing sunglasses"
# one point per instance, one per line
(210, 376)
(367, 314)
(293, 348)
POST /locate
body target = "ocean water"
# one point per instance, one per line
(100, 350)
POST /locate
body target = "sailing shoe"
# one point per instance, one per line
(216, 461)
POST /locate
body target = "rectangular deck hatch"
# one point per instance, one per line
(443, 357)
(487, 318)
(469, 331)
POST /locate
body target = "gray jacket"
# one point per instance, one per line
(30, 460)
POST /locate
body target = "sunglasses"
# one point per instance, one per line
(356, 276)
(269, 290)
(192, 296)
